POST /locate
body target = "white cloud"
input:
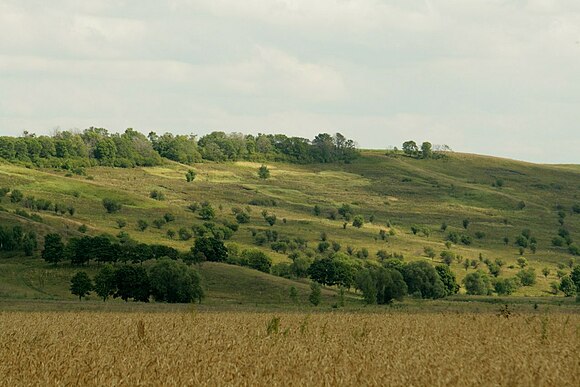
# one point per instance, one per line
(479, 75)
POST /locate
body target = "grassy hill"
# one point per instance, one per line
(500, 198)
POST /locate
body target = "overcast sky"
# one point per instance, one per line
(498, 77)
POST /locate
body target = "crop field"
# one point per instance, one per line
(190, 347)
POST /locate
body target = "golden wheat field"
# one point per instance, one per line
(244, 348)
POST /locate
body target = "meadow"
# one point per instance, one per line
(397, 192)
(185, 346)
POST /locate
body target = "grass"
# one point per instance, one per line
(399, 191)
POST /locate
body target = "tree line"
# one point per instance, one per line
(96, 146)
(166, 281)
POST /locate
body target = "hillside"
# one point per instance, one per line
(499, 197)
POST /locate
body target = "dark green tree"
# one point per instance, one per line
(263, 172)
(173, 282)
(209, 248)
(422, 280)
(105, 282)
(81, 284)
(53, 251)
(132, 282)
(190, 175)
(477, 283)
(448, 279)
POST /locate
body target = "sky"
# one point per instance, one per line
(496, 77)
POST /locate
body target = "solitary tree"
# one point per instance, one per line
(81, 285)
(567, 286)
(53, 248)
(263, 172)
(466, 223)
(190, 175)
(315, 294)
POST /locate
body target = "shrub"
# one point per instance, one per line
(206, 212)
(142, 225)
(111, 205)
(242, 217)
(157, 195)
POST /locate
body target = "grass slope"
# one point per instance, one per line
(396, 190)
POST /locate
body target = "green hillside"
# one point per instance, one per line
(499, 197)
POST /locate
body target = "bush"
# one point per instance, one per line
(16, 196)
(142, 225)
(157, 195)
(111, 205)
(173, 282)
(242, 217)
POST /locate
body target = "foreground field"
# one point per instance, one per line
(223, 348)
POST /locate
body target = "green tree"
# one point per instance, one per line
(190, 175)
(410, 148)
(567, 286)
(315, 294)
(209, 249)
(477, 283)
(504, 286)
(105, 282)
(263, 172)
(358, 221)
(426, 150)
(423, 281)
(257, 260)
(173, 282)
(466, 223)
(132, 282)
(575, 276)
(206, 212)
(527, 277)
(448, 279)
(81, 285)
(53, 251)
